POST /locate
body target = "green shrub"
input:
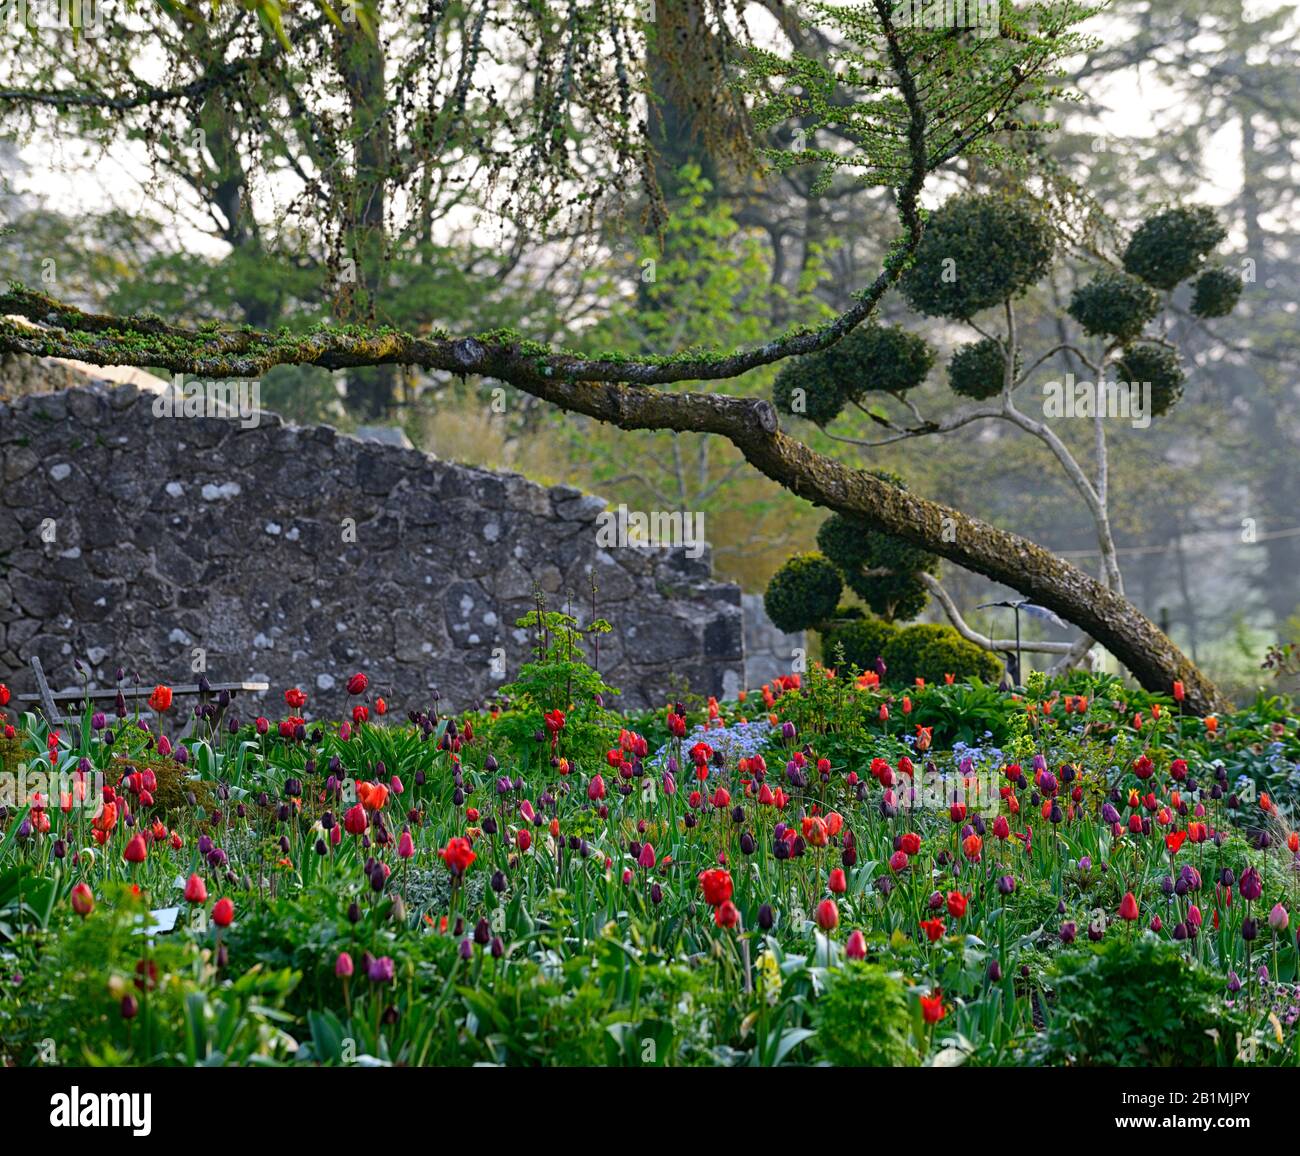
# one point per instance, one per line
(862, 639)
(897, 596)
(864, 1019)
(808, 387)
(1136, 1003)
(1115, 305)
(871, 357)
(976, 252)
(978, 370)
(1215, 292)
(803, 593)
(858, 550)
(1170, 246)
(1144, 362)
(931, 650)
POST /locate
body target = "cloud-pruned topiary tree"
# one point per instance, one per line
(979, 253)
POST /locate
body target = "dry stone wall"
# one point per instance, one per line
(299, 555)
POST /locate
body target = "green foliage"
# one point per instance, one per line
(976, 252)
(1137, 1002)
(560, 679)
(931, 650)
(879, 568)
(1169, 247)
(978, 369)
(1114, 304)
(884, 359)
(963, 84)
(803, 593)
(860, 640)
(1215, 292)
(1160, 366)
(864, 1018)
(189, 1014)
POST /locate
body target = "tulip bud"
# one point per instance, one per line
(83, 899)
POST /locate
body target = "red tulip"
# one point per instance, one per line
(856, 948)
(161, 699)
(596, 789)
(1128, 908)
(458, 855)
(83, 899)
(828, 915)
(355, 821)
(136, 850)
(405, 846)
(223, 913)
(357, 684)
(195, 890)
(295, 698)
(647, 857)
(932, 1009)
(956, 904)
(727, 915)
(838, 884)
(716, 885)
(933, 929)
(4, 695)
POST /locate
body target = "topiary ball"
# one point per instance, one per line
(931, 650)
(1170, 246)
(1155, 364)
(1215, 292)
(862, 552)
(976, 252)
(978, 370)
(803, 593)
(1114, 304)
(882, 358)
(844, 541)
(897, 596)
(809, 387)
(862, 640)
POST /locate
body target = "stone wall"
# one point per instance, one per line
(298, 555)
(769, 652)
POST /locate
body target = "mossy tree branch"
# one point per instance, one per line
(612, 390)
